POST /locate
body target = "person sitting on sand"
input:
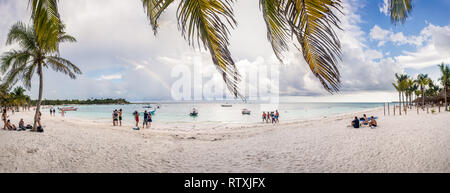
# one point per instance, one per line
(372, 122)
(366, 120)
(22, 125)
(355, 123)
(9, 126)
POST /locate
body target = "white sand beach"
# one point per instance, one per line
(411, 143)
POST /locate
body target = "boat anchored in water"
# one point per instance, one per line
(194, 112)
(68, 109)
(246, 112)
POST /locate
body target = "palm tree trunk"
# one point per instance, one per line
(445, 95)
(38, 106)
(423, 97)
(400, 101)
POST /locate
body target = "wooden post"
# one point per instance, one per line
(406, 109)
(439, 107)
(389, 112)
(394, 110)
(384, 109)
(417, 110)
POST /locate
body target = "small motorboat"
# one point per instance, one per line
(68, 109)
(246, 112)
(194, 112)
(147, 107)
(227, 105)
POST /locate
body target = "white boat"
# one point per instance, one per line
(68, 109)
(227, 105)
(246, 112)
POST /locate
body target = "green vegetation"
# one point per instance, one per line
(424, 88)
(33, 56)
(15, 98)
(82, 102)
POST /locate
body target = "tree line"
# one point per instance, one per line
(423, 88)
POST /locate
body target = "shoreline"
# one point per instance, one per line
(411, 143)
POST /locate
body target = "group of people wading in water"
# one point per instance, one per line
(273, 117)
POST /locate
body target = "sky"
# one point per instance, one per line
(121, 57)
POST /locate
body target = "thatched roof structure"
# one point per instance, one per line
(434, 99)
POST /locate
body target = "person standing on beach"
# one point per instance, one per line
(150, 119)
(144, 122)
(267, 117)
(120, 117)
(136, 117)
(276, 116)
(264, 116)
(114, 117)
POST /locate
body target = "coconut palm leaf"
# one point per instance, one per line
(277, 26)
(313, 23)
(399, 10)
(201, 22)
(154, 9)
(47, 25)
(62, 65)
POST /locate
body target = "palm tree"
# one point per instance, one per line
(422, 80)
(410, 87)
(433, 89)
(401, 86)
(399, 90)
(445, 81)
(19, 97)
(22, 64)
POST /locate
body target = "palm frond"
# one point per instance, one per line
(66, 38)
(277, 26)
(399, 10)
(313, 23)
(62, 65)
(21, 34)
(154, 9)
(201, 22)
(14, 59)
(47, 25)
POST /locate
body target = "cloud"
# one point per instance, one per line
(384, 8)
(383, 36)
(435, 50)
(110, 77)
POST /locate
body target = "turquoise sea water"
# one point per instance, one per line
(214, 112)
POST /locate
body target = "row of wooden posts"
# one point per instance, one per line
(405, 109)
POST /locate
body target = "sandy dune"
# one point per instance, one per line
(412, 143)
